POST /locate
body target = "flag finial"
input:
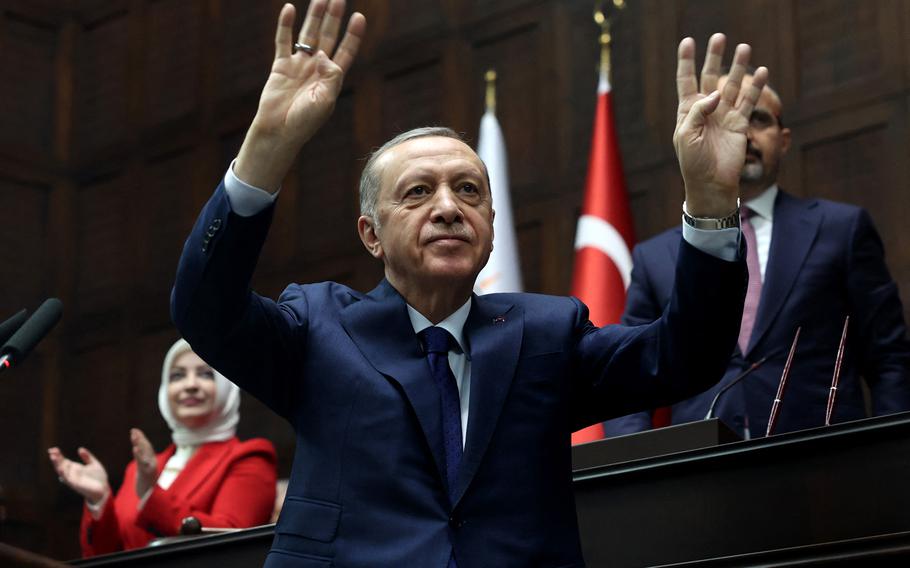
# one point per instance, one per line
(490, 78)
(605, 39)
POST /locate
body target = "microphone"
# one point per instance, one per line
(32, 331)
(832, 393)
(10, 326)
(775, 406)
(734, 382)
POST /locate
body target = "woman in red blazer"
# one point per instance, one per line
(206, 473)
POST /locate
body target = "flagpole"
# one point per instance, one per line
(604, 236)
(502, 272)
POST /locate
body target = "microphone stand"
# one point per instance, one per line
(733, 383)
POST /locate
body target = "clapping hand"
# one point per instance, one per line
(710, 136)
(146, 462)
(88, 479)
(301, 90)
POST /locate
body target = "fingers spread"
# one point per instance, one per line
(751, 95)
(686, 84)
(331, 23)
(710, 71)
(350, 44)
(737, 71)
(309, 33)
(285, 31)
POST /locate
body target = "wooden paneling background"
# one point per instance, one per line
(118, 118)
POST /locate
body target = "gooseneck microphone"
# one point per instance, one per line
(30, 333)
(10, 326)
(733, 383)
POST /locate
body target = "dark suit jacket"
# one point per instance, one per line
(347, 371)
(826, 261)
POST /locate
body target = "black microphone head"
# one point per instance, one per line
(10, 326)
(32, 331)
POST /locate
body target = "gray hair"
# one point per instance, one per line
(370, 179)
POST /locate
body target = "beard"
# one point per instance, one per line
(752, 172)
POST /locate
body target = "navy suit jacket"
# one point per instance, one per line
(826, 261)
(346, 370)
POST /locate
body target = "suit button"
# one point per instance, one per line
(455, 522)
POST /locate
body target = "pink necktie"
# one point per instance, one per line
(753, 292)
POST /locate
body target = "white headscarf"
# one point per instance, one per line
(225, 414)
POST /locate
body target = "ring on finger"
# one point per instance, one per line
(304, 47)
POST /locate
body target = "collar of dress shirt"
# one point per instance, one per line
(763, 205)
(454, 324)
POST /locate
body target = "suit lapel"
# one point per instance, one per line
(380, 327)
(494, 330)
(795, 227)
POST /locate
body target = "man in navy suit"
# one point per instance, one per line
(433, 426)
(816, 262)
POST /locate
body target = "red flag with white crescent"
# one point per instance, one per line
(604, 237)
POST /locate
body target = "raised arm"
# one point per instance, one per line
(301, 90)
(710, 136)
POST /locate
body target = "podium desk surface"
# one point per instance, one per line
(836, 483)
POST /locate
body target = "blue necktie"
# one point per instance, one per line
(437, 342)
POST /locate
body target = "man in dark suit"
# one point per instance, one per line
(814, 263)
(433, 426)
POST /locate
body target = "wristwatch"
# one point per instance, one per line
(730, 221)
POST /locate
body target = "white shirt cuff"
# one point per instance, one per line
(722, 243)
(245, 199)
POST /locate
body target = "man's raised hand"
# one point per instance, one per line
(301, 90)
(710, 136)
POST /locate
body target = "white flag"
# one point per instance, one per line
(503, 272)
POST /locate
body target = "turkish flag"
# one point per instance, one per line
(604, 238)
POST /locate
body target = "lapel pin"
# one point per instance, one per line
(499, 319)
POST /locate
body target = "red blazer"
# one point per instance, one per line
(224, 484)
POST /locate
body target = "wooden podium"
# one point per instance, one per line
(810, 498)
(687, 496)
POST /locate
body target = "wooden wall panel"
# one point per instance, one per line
(21, 395)
(412, 96)
(327, 194)
(162, 217)
(102, 85)
(520, 106)
(173, 40)
(247, 31)
(410, 17)
(22, 258)
(846, 48)
(101, 283)
(27, 59)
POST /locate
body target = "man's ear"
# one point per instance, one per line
(492, 230)
(366, 228)
(785, 141)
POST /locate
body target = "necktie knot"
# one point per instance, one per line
(746, 212)
(437, 340)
